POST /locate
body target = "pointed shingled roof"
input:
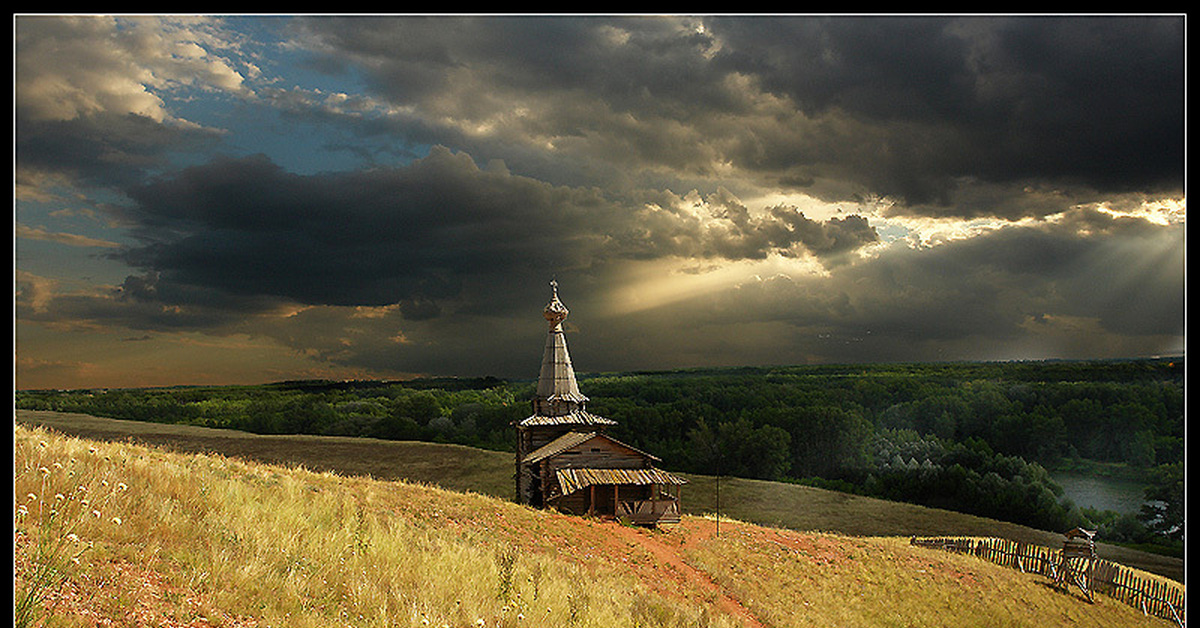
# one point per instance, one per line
(557, 391)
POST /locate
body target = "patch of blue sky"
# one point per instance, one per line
(299, 143)
(890, 232)
(286, 118)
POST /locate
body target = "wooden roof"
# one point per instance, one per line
(558, 445)
(578, 417)
(574, 439)
(572, 480)
(556, 382)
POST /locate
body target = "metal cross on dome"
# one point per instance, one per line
(555, 312)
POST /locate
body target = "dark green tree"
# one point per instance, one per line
(1164, 512)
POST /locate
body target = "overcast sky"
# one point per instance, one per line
(208, 200)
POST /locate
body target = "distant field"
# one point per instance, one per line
(490, 473)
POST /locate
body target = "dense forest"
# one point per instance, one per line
(971, 437)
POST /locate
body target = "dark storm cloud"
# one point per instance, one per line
(362, 238)
(1092, 101)
(630, 64)
(920, 109)
(101, 149)
(416, 235)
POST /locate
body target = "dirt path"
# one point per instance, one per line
(669, 564)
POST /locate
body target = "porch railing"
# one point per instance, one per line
(649, 511)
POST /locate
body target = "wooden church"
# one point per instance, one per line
(566, 461)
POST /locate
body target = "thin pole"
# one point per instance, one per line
(718, 490)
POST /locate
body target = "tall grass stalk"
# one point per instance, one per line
(297, 549)
(60, 500)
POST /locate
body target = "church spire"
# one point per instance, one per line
(557, 391)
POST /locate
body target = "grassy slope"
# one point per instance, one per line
(490, 473)
(187, 540)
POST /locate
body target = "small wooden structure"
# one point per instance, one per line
(566, 461)
(1078, 556)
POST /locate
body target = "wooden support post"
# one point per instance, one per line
(592, 500)
(616, 500)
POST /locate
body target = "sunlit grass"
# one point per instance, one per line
(821, 580)
(147, 537)
(490, 473)
(293, 548)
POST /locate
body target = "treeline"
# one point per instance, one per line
(971, 437)
(975, 438)
(475, 412)
(1125, 412)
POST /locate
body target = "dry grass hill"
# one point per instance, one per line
(139, 535)
(460, 468)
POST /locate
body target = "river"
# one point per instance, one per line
(1089, 491)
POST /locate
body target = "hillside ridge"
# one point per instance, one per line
(204, 538)
(461, 468)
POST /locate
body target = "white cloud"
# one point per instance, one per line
(70, 68)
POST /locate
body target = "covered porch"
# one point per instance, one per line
(643, 496)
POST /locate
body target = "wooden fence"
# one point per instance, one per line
(1153, 597)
